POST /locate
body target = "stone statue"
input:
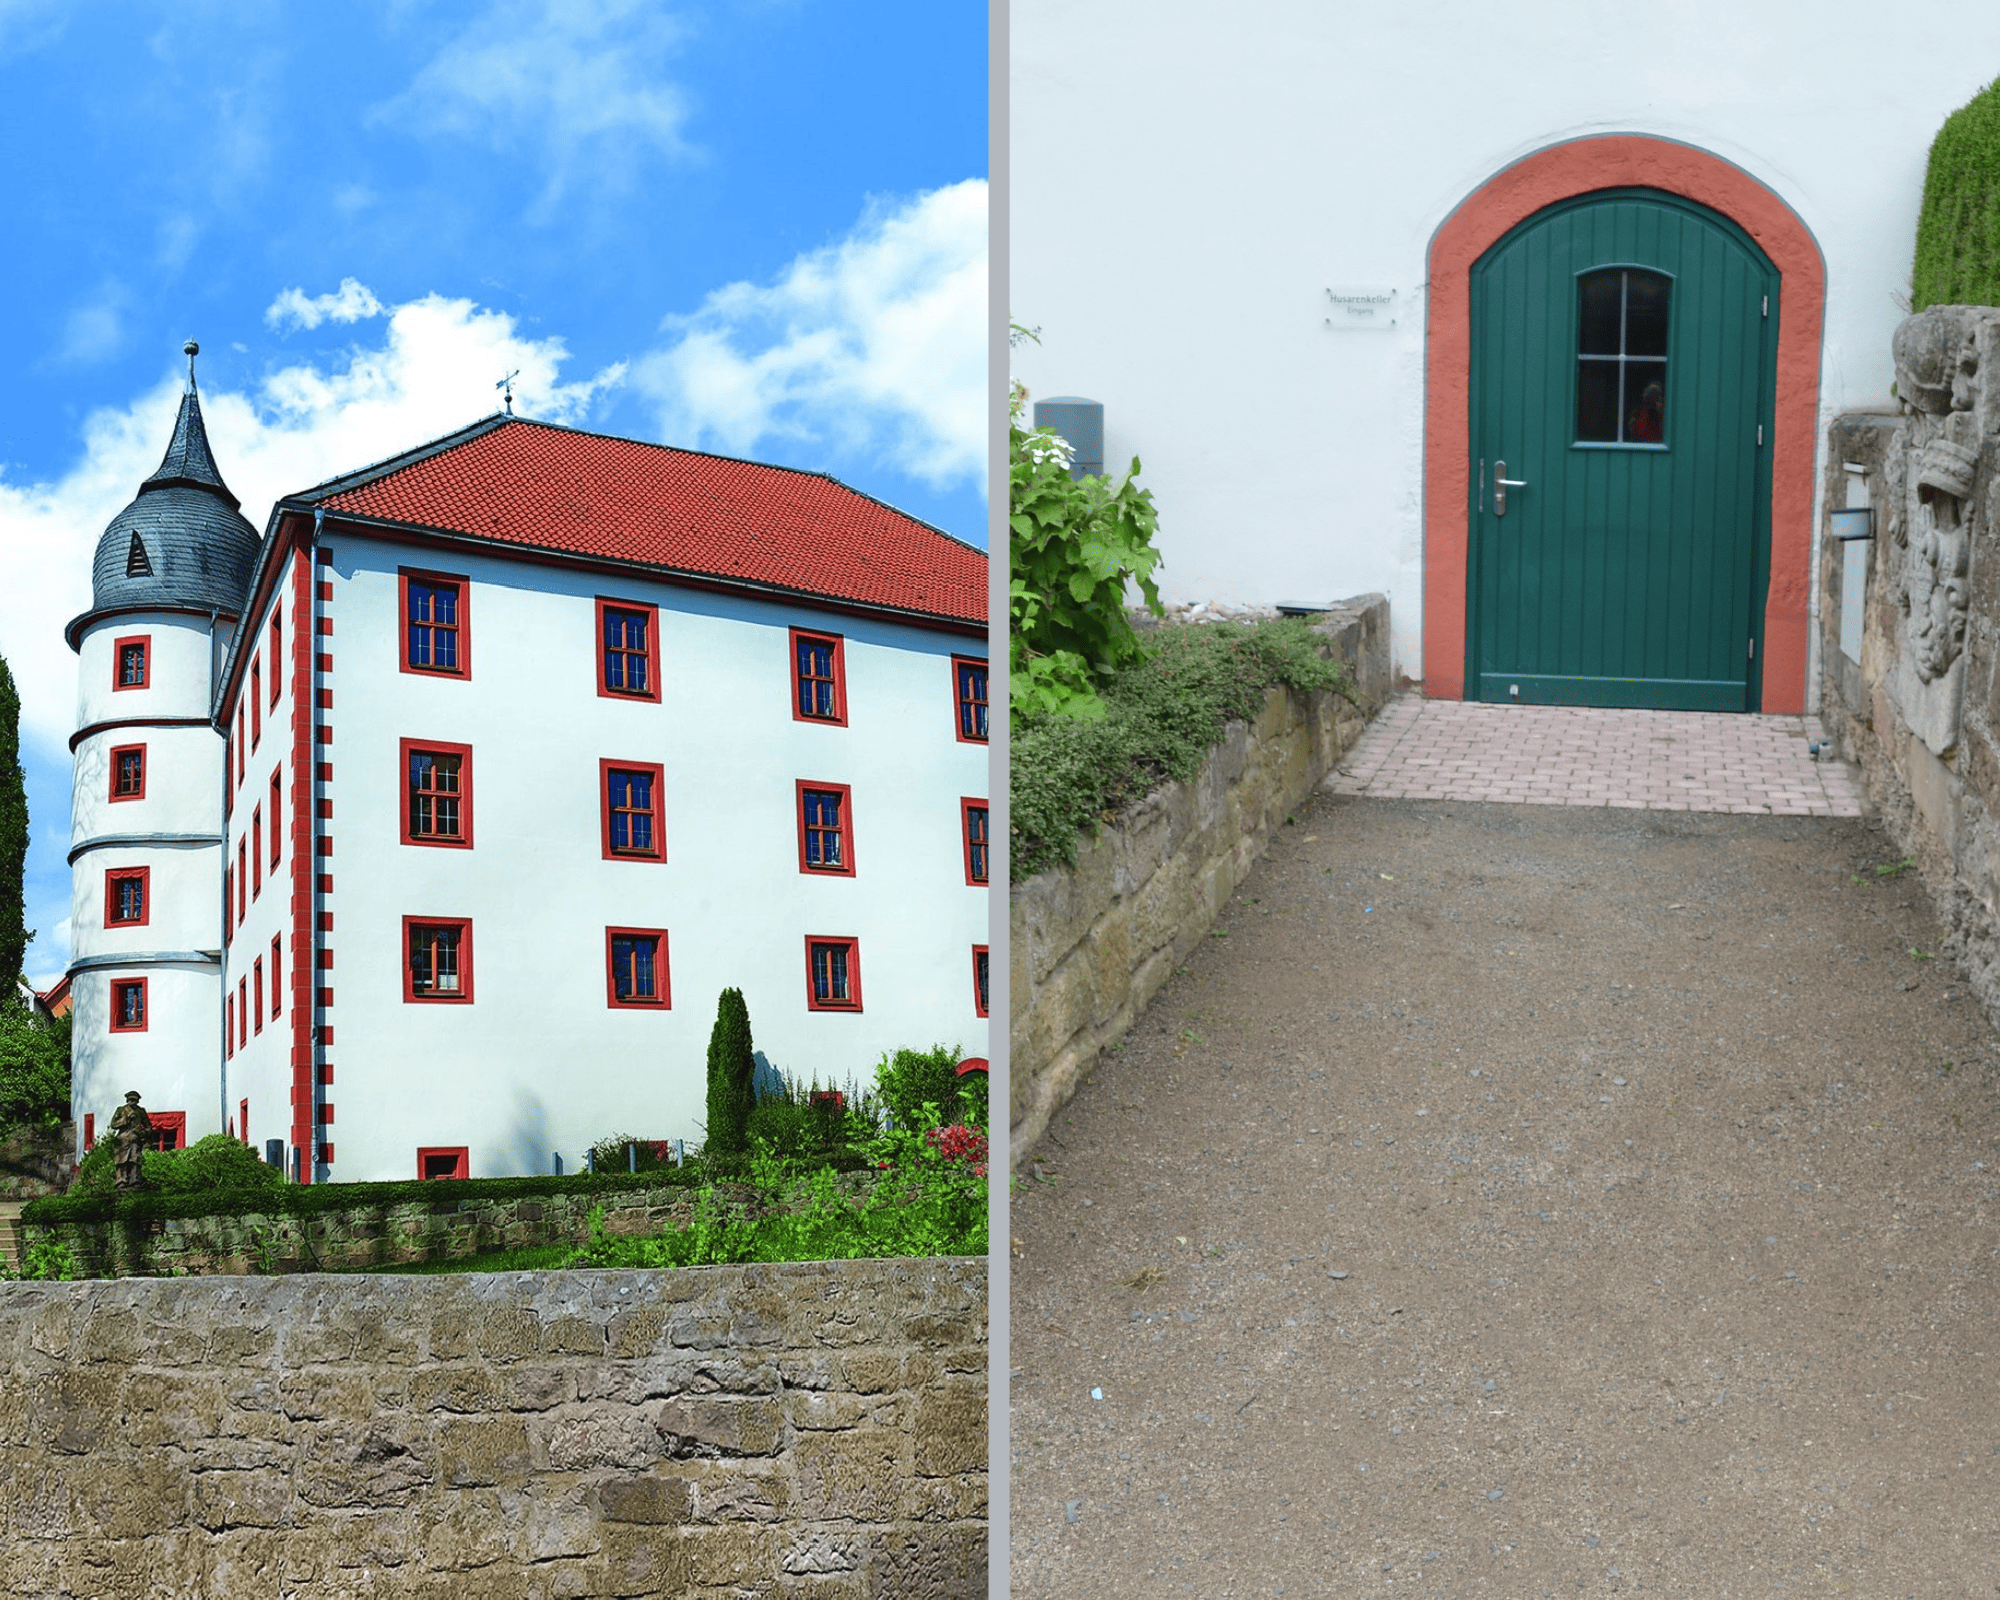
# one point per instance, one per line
(132, 1136)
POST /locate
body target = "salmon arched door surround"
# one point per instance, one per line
(1620, 161)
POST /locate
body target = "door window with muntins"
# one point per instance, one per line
(1621, 357)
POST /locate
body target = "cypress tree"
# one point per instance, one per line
(1958, 227)
(13, 840)
(731, 1066)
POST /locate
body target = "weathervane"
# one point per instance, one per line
(191, 350)
(507, 384)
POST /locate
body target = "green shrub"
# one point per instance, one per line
(34, 1068)
(732, 1067)
(627, 1152)
(1165, 713)
(911, 1079)
(206, 1166)
(1958, 226)
(1074, 544)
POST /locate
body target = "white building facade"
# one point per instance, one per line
(539, 740)
(1259, 244)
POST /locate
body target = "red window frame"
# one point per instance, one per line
(427, 1154)
(256, 702)
(242, 880)
(242, 1013)
(143, 876)
(119, 987)
(663, 999)
(243, 1120)
(256, 851)
(979, 851)
(242, 748)
(277, 988)
(649, 657)
(257, 995)
(228, 1025)
(816, 942)
(118, 754)
(90, 1130)
(228, 898)
(961, 703)
(143, 643)
(277, 809)
(981, 980)
(845, 830)
(836, 667)
(462, 995)
(435, 747)
(277, 656)
(169, 1129)
(462, 626)
(606, 766)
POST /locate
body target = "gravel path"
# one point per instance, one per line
(1524, 1201)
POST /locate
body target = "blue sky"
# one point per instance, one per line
(755, 227)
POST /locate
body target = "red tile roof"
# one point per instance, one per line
(533, 484)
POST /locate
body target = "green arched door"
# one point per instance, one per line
(1623, 357)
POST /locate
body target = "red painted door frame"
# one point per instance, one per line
(1511, 196)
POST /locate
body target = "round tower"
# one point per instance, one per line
(146, 823)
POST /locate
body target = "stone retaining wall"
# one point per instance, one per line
(812, 1429)
(1910, 686)
(374, 1235)
(1091, 944)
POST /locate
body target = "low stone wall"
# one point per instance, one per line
(366, 1235)
(1091, 944)
(1910, 622)
(812, 1429)
(36, 1161)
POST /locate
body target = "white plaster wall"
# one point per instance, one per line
(181, 913)
(538, 1062)
(180, 678)
(183, 786)
(1186, 185)
(171, 1064)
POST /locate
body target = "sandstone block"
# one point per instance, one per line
(738, 1555)
(383, 1462)
(951, 1430)
(849, 1475)
(238, 1500)
(482, 1450)
(652, 1498)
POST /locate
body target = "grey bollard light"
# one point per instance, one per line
(1081, 422)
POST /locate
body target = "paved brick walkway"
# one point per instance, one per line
(1576, 756)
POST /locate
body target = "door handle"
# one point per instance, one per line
(1501, 484)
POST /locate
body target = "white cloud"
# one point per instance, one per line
(873, 346)
(432, 370)
(93, 331)
(578, 81)
(349, 303)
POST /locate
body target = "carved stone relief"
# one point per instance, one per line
(1932, 472)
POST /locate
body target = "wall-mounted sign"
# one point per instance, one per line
(1361, 307)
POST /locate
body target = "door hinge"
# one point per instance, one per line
(1767, 305)
(1753, 650)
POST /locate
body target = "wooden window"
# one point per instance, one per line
(277, 657)
(90, 1130)
(243, 1120)
(437, 959)
(437, 793)
(436, 623)
(628, 656)
(256, 703)
(277, 988)
(632, 797)
(228, 900)
(256, 851)
(442, 1162)
(636, 968)
(128, 772)
(242, 746)
(277, 801)
(826, 828)
(968, 676)
(169, 1129)
(133, 658)
(242, 1012)
(819, 678)
(242, 880)
(979, 980)
(972, 825)
(128, 897)
(257, 995)
(228, 1025)
(128, 1005)
(1621, 357)
(833, 974)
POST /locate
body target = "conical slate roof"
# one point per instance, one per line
(181, 544)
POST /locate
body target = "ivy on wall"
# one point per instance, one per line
(1958, 228)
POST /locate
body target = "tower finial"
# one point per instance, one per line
(191, 350)
(507, 384)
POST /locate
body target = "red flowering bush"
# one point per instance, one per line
(960, 1143)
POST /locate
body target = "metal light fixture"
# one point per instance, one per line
(1852, 522)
